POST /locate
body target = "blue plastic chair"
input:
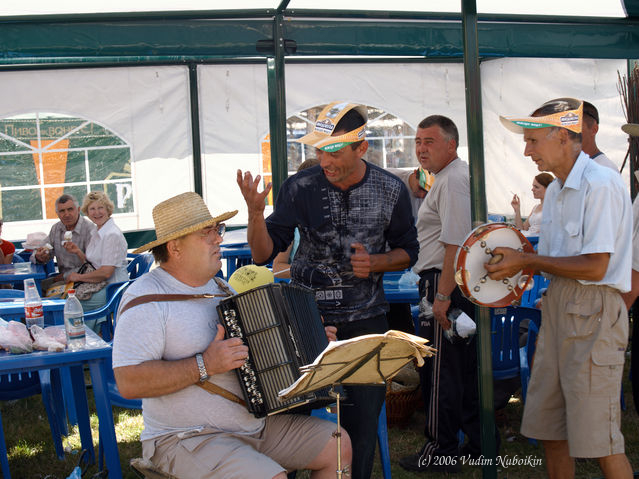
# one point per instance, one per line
(505, 342)
(527, 351)
(139, 265)
(382, 435)
(530, 297)
(46, 383)
(110, 310)
(114, 294)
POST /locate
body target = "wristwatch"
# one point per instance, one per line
(200, 365)
(442, 297)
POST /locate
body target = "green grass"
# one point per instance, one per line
(31, 454)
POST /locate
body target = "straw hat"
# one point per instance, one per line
(631, 128)
(179, 216)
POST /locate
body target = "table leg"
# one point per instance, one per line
(105, 416)
(4, 461)
(67, 388)
(82, 409)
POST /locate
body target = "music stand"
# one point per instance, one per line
(371, 359)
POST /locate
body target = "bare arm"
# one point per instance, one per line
(71, 247)
(521, 225)
(630, 296)
(446, 286)
(101, 274)
(160, 377)
(363, 263)
(281, 266)
(258, 238)
(589, 267)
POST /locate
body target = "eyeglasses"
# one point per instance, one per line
(219, 229)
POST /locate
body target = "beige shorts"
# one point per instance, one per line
(287, 442)
(575, 386)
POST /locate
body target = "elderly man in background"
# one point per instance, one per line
(589, 130)
(572, 404)
(71, 227)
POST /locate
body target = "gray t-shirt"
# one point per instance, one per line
(174, 330)
(444, 217)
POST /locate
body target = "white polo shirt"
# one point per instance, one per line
(590, 213)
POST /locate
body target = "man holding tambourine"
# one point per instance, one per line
(585, 245)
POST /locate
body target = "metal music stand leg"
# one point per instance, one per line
(338, 436)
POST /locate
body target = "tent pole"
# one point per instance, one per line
(277, 106)
(195, 129)
(472, 77)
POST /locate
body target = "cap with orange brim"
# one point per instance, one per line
(325, 125)
(569, 119)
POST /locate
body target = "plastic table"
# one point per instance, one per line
(18, 272)
(397, 292)
(95, 355)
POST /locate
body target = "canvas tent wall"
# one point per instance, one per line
(148, 109)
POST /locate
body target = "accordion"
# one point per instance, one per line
(282, 327)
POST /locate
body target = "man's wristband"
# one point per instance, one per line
(442, 297)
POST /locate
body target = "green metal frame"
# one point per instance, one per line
(192, 38)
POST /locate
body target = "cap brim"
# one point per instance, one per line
(631, 128)
(186, 231)
(510, 125)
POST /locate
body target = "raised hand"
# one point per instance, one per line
(255, 200)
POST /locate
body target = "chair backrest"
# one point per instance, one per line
(17, 259)
(19, 385)
(530, 297)
(114, 295)
(139, 265)
(505, 342)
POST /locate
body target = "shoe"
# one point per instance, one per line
(418, 463)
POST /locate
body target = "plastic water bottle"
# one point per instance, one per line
(33, 313)
(74, 322)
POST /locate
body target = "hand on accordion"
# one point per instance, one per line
(331, 333)
(222, 355)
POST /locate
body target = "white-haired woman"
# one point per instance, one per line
(106, 251)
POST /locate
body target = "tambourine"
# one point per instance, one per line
(477, 250)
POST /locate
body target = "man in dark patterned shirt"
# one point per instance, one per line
(355, 223)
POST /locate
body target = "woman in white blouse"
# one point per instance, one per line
(531, 226)
(106, 250)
